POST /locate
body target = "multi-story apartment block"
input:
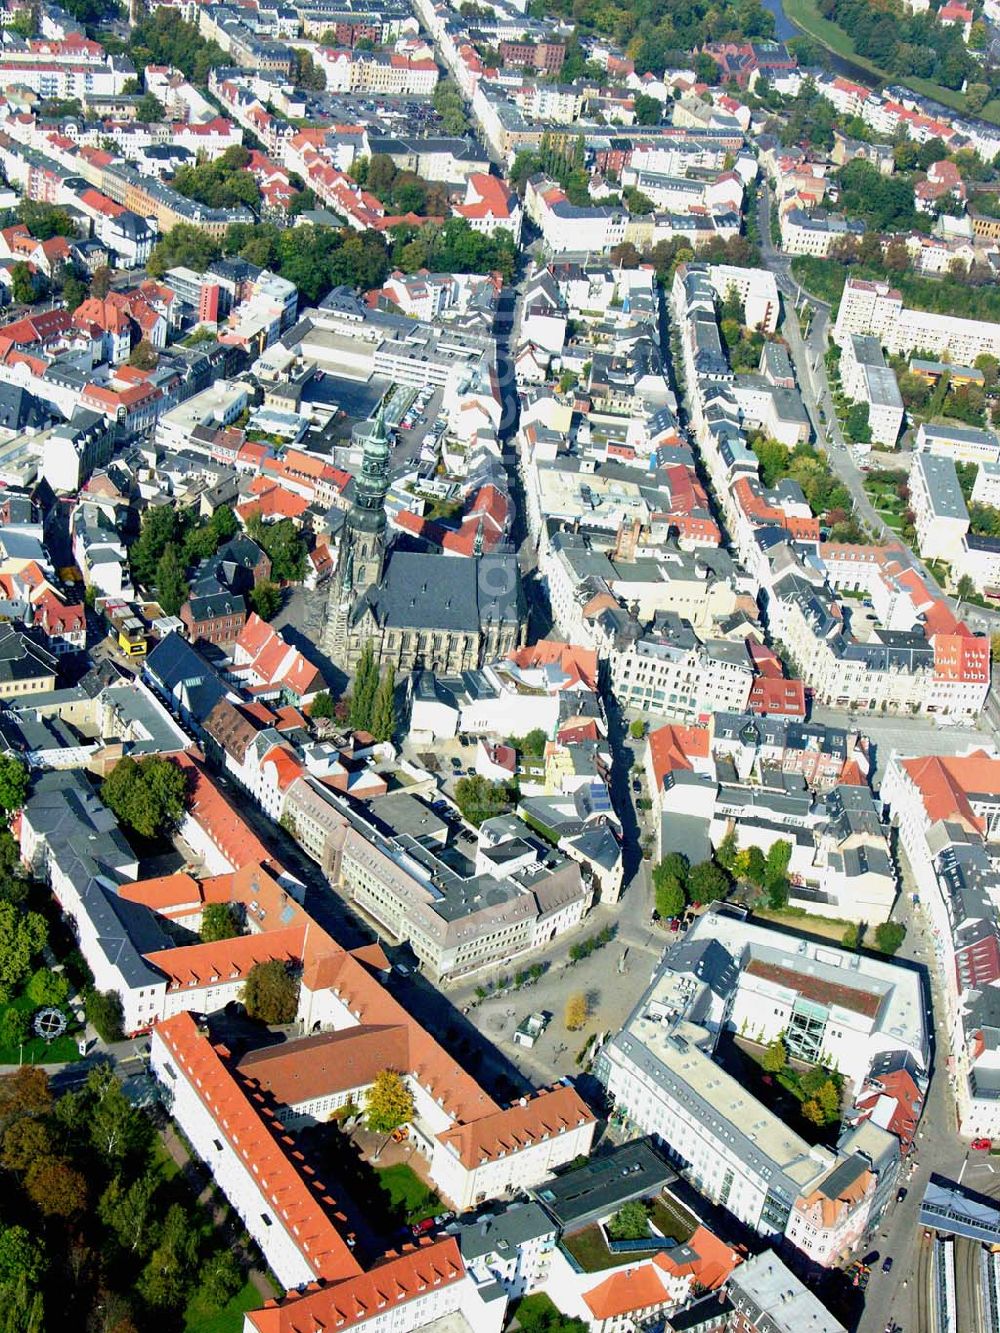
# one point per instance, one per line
(867, 379)
(876, 308)
(939, 511)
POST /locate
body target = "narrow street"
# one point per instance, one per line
(810, 371)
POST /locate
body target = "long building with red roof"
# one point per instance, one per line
(947, 810)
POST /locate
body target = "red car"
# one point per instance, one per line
(420, 1228)
(982, 1145)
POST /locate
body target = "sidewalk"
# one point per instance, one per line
(189, 1167)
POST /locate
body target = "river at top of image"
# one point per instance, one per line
(784, 29)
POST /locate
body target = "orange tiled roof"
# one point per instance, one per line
(627, 1291)
(946, 782)
(674, 746)
(198, 965)
(327, 1063)
(400, 1279)
(709, 1266)
(546, 1115)
(580, 664)
(294, 1196)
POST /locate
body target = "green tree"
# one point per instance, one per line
(756, 868)
(117, 1129)
(164, 1281)
(22, 937)
(775, 1057)
(148, 110)
(74, 291)
(13, 782)
(669, 892)
(648, 110)
(630, 1222)
(479, 799)
(637, 729)
(104, 1014)
(221, 1278)
(531, 744)
(21, 1255)
(15, 1027)
(126, 1208)
(218, 922)
(707, 882)
(266, 599)
(182, 246)
(889, 935)
(284, 545)
(322, 705)
(966, 588)
(45, 221)
(160, 527)
(47, 987)
(171, 582)
(388, 1102)
(364, 691)
(23, 289)
(727, 852)
(147, 795)
(383, 724)
(271, 993)
(856, 424)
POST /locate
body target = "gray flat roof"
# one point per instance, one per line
(586, 1193)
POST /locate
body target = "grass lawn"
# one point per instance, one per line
(408, 1195)
(805, 14)
(670, 1219)
(806, 923)
(35, 1051)
(163, 1162)
(589, 1250)
(201, 1318)
(538, 1309)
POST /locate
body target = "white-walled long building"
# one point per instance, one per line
(876, 308)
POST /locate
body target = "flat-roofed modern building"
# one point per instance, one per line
(664, 1078)
(939, 510)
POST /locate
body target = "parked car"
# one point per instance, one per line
(982, 1145)
(887, 1264)
(456, 764)
(900, 1195)
(870, 1258)
(422, 1228)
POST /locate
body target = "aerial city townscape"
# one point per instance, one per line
(499, 589)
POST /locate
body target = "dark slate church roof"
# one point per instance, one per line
(440, 592)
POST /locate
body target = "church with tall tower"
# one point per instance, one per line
(420, 611)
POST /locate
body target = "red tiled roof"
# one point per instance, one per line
(199, 965)
(389, 1284)
(281, 1179)
(674, 746)
(327, 1063)
(627, 1291)
(946, 782)
(546, 1115)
